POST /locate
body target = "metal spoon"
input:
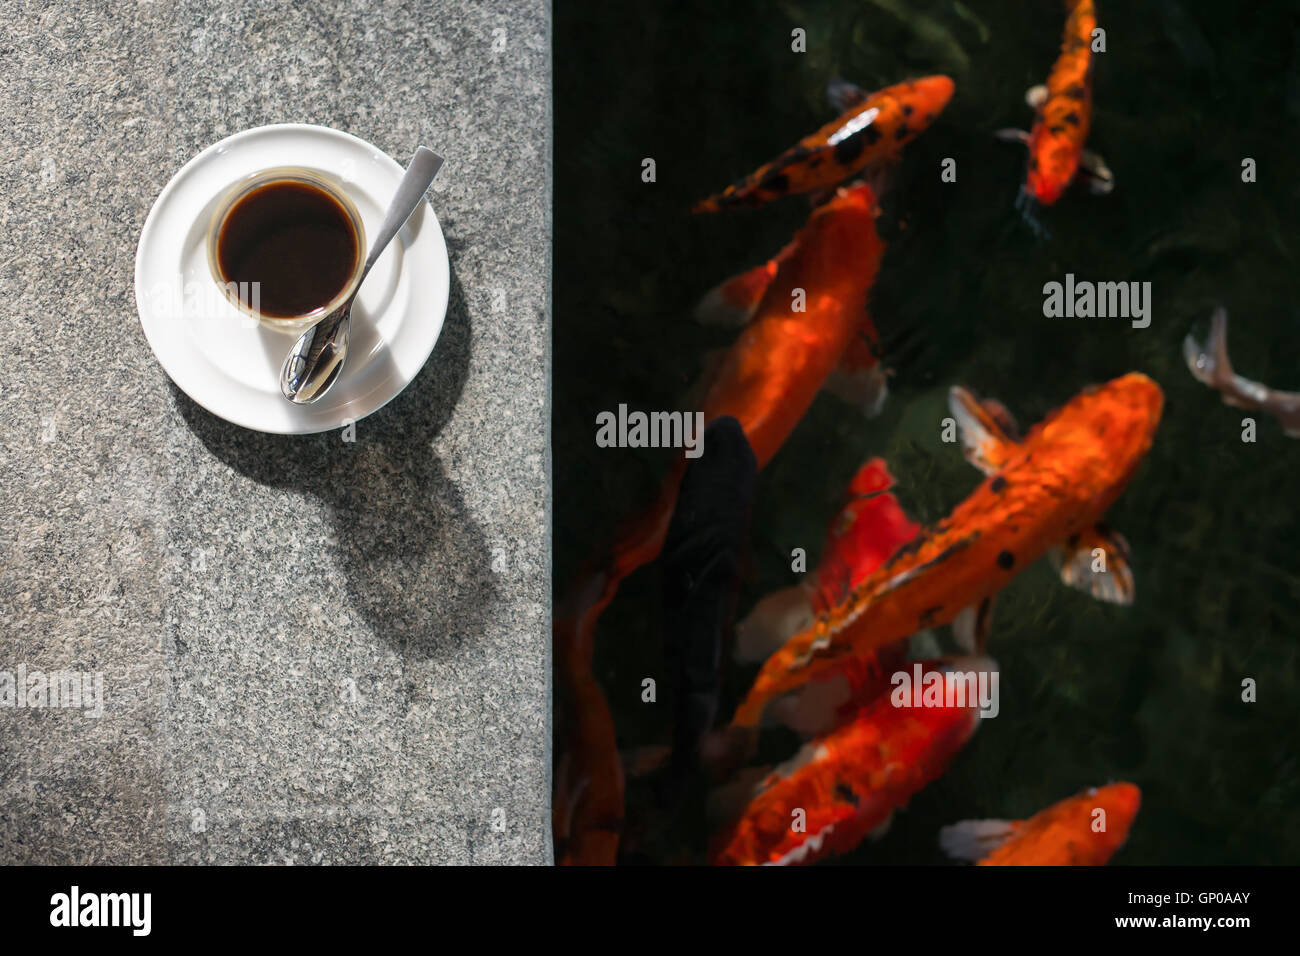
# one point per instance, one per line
(314, 363)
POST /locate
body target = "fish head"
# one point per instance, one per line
(1121, 802)
(1116, 422)
(923, 99)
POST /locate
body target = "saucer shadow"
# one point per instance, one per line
(417, 564)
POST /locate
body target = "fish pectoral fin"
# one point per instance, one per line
(1097, 562)
(814, 709)
(1003, 417)
(879, 831)
(732, 304)
(1095, 173)
(773, 621)
(975, 839)
(640, 761)
(1036, 96)
(844, 96)
(983, 432)
(864, 388)
(1012, 136)
(971, 626)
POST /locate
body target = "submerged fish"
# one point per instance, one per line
(701, 568)
(1063, 118)
(845, 786)
(1045, 492)
(1209, 363)
(766, 381)
(1084, 830)
(871, 128)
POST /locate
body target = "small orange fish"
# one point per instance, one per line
(842, 787)
(1063, 117)
(873, 127)
(1046, 492)
(1084, 830)
(766, 381)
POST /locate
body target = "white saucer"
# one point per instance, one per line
(229, 364)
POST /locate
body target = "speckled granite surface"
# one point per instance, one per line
(192, 562)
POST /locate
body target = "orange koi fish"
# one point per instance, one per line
(766, 381)
(1063, 117)
(1046, 492)
(849, 782)
(1210, 364)
(873, 127)
(859, 378)
(1084, 830)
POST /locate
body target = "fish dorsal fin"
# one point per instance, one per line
(975, 839)
(917, 570)
(844, 96)
(984, 433)
(1097, 562)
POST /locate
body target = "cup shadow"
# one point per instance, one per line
(416, 562)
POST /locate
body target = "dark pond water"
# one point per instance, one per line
(1090, 692)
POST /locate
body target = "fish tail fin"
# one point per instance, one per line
(1029, 209)
(975, 839)
(1208, 361)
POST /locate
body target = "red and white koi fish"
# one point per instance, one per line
(766, 381)
(845, 786)
(1044, 493)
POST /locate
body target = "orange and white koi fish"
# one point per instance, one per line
(1210, 364)
(872, 127)
(1084, 830)
(846, 785)
(766, 381)
(1063, 118)
(1045, 492)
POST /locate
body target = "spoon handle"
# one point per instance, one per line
(410, 193)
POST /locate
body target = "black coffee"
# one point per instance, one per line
(292, 238)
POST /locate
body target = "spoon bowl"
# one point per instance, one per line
(316, 359)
